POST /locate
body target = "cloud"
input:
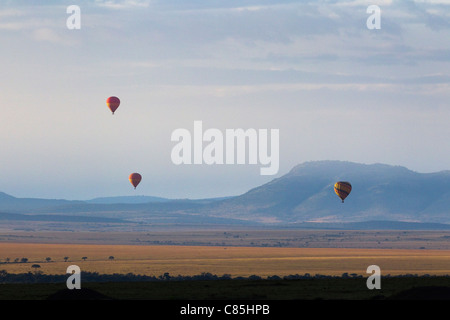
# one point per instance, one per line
(447, 2)
(240, 36)
(12, 26)
(6, 13)
(46, 34)
(364, 3)
(122, 4)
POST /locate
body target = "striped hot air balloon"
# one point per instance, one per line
(342, 189)
(113, 103)
(135, 178)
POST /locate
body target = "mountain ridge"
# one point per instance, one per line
(380, 191)
(305, 194)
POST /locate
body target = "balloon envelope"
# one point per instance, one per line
(135, 178)
(342, 189)
(113, 103)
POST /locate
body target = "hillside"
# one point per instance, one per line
(380, 192)
(304, 196)
(9, 203)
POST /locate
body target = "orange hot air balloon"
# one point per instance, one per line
(342, 189)
(113, 103)
(135, 178)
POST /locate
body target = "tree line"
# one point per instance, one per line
(47, 259)
(38, 277)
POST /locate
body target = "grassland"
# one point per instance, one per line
(237, 252)
(368, 239)
(235, 261)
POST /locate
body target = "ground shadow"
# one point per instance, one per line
(78, 294)
(423, 293)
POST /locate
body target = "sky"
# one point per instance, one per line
(335, 90)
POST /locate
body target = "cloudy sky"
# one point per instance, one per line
(335, 89)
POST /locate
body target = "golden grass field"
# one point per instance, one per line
(235, 261)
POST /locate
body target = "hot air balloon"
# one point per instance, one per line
(113, 103)
(342, 189)
(135, 178)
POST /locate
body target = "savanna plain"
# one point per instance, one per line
(234, 253)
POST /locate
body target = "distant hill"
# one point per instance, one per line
(147, 199)
(371, 225)
(380, 192)
(9, 203)
(304, 197)
(55, 218)
(127, 199)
